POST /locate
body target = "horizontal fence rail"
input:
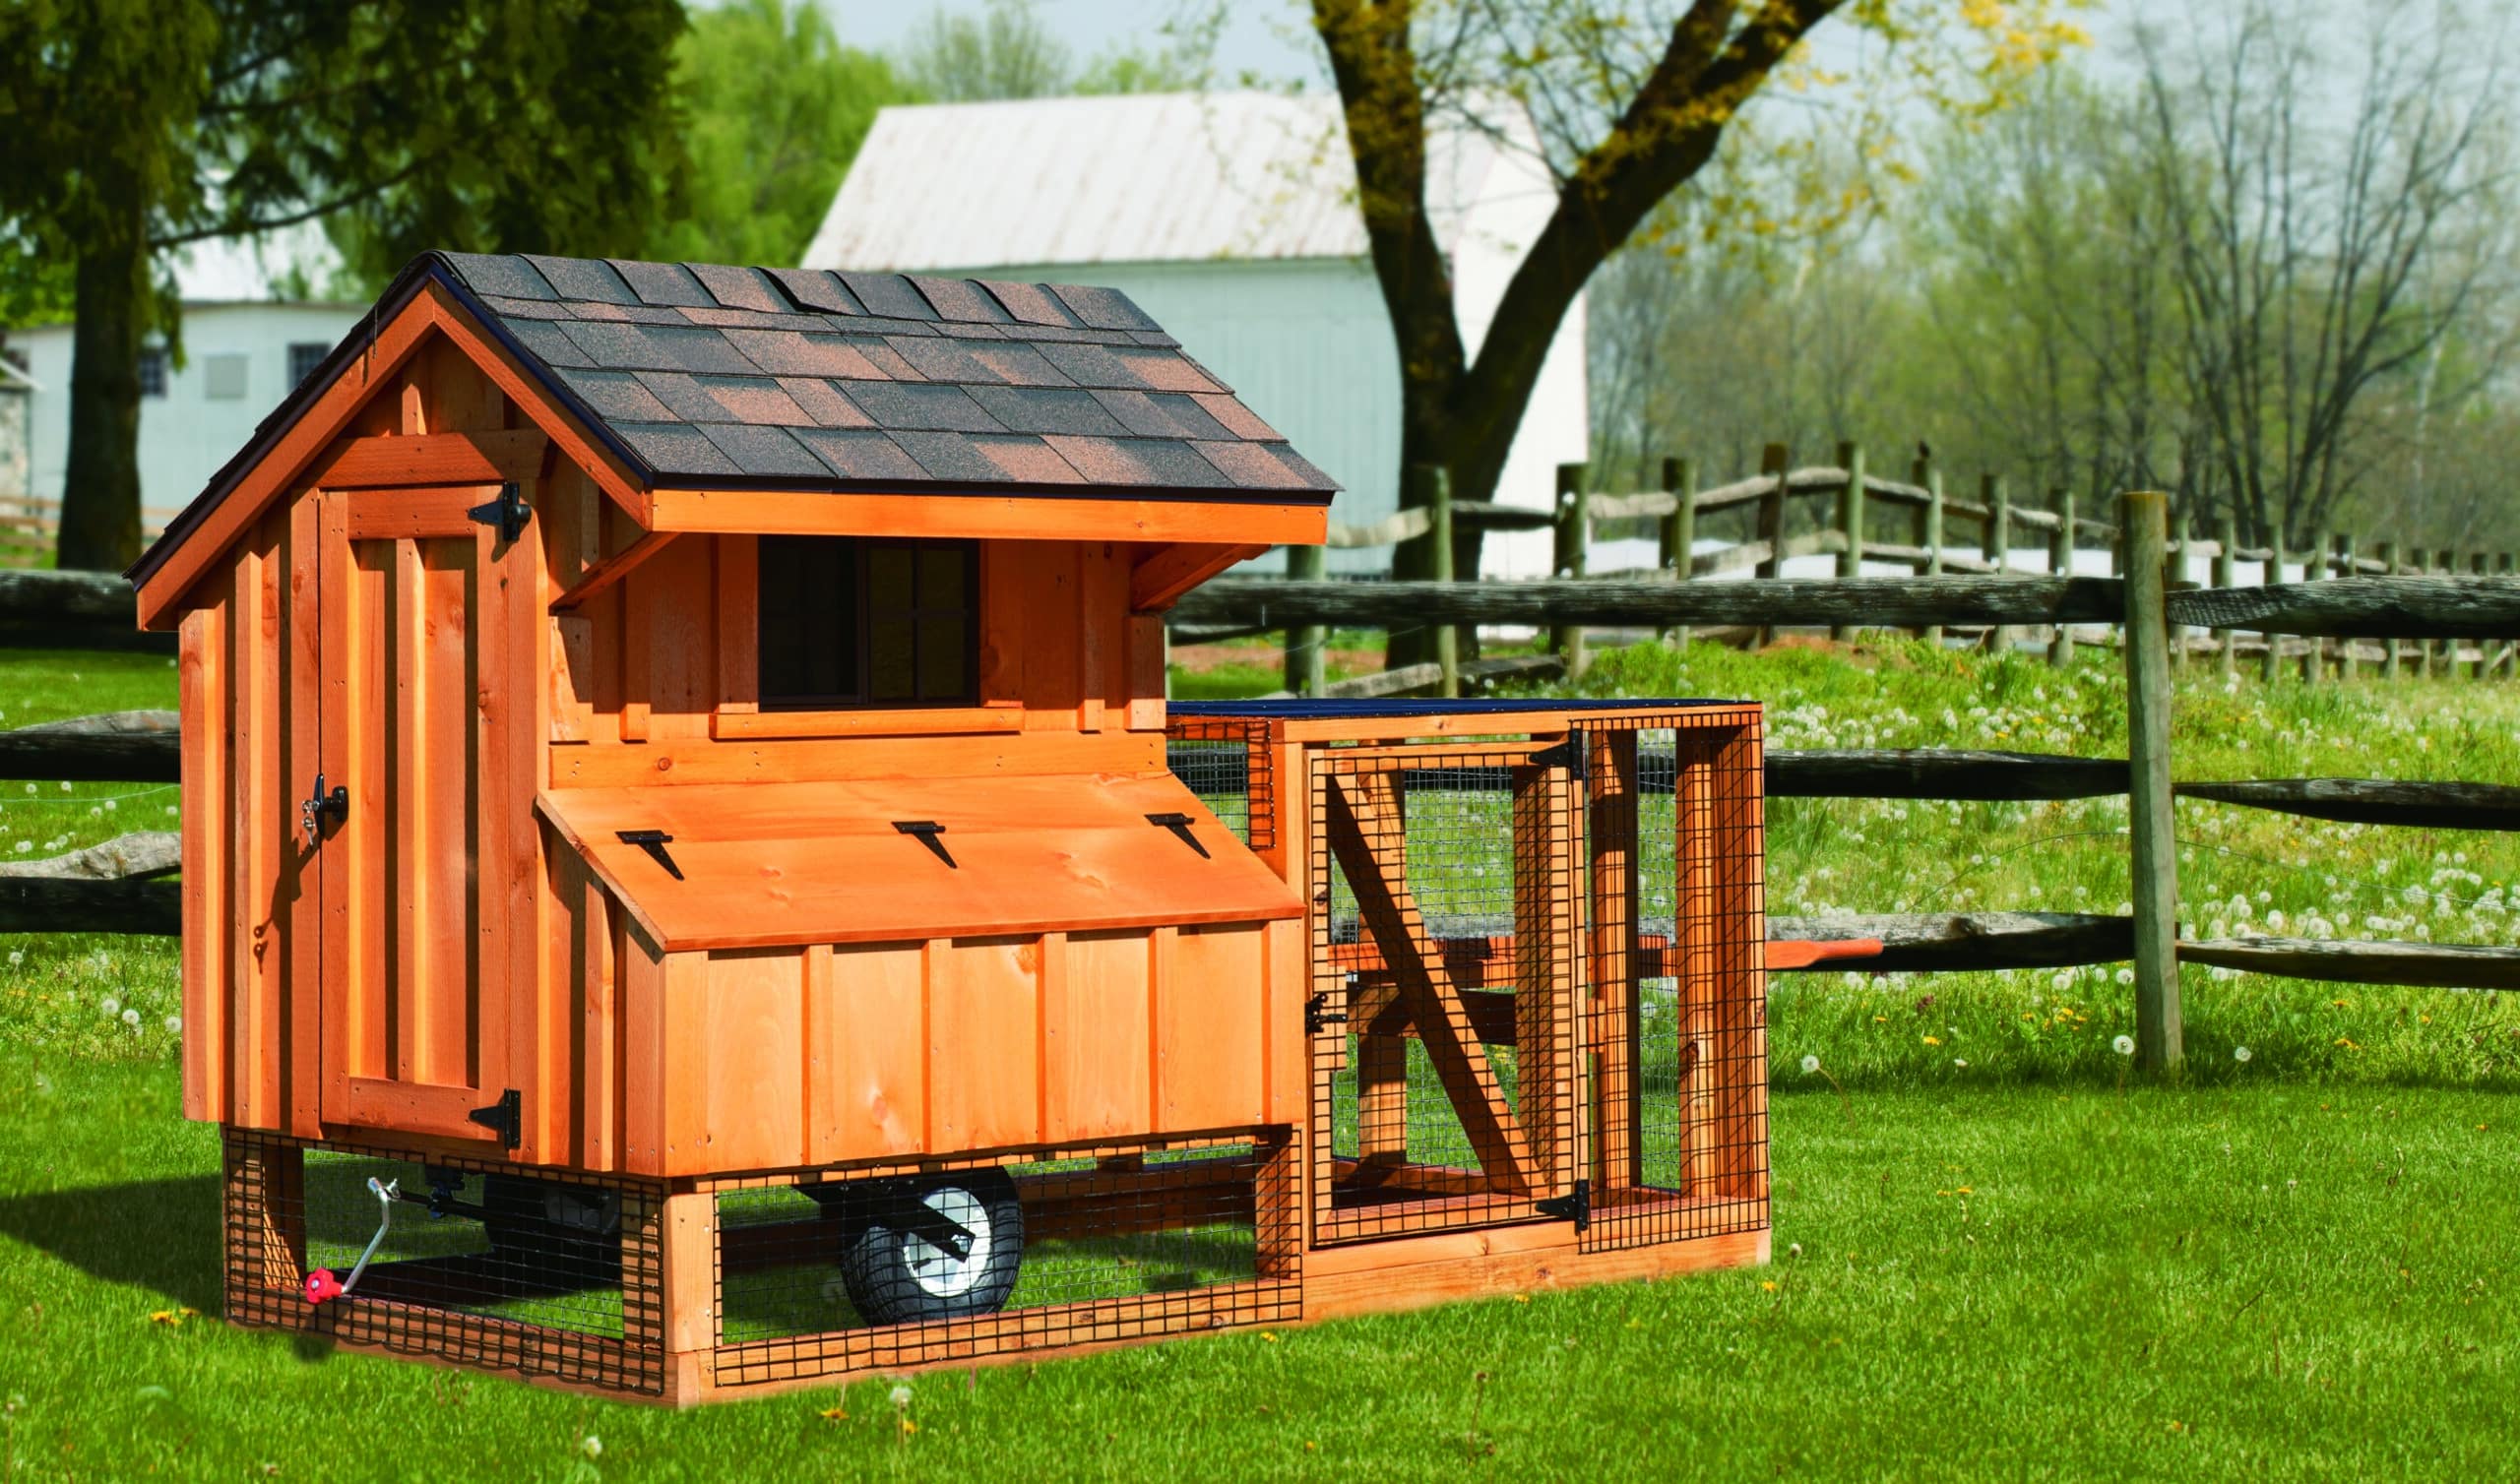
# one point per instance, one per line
(1978, 942)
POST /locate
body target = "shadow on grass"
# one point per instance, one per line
(162, 1235)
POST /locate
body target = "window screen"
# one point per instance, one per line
(859, 621)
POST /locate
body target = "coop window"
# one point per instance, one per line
(851, 621)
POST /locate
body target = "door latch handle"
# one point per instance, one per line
(318, 807)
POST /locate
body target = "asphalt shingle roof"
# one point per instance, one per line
(798, 378)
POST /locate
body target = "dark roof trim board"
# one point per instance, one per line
(699, 376)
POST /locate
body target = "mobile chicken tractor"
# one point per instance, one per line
(691, 885)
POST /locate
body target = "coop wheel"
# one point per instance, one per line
(938, 1247)
(547, 1233)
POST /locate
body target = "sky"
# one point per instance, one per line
(1261, 38)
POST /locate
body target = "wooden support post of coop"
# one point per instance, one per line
(1431, 487)
(1850, 523)
(1574, 534)
(1776, 460)
(2227, 535)
(2154, 865)
(1995, 543)
(1680, 530)
(2060, 562)
(1305, 669)
(2387, 553)
(1612, 833)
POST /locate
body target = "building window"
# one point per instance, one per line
(303, 357)
(849, 622)
(222, 376)
(153, 371)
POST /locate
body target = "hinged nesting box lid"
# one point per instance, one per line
(767, 864)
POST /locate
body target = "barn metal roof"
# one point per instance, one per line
(1149, 178)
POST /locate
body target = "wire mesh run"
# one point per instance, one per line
(533, 1271)
(1226, 760)
(1675, 1048)
(822, 1272)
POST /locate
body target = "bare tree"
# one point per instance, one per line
(2316, 263)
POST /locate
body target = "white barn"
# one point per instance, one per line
(249, 333)
(1232, 218)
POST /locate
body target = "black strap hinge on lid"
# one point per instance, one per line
(1179, 825)
(509, 512)
(926, 833)
(653, 841)
(504, 1118)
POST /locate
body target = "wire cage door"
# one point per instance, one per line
(1444, 1015)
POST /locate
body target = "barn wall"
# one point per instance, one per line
(761, 1059)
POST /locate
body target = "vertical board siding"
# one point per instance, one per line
(1098, 1055)
(208, 822)
(983, 1057)
(752, 1078)
(1207, 1016)
(869, 1023)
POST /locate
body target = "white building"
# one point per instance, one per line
(1232, 218)
(249, 333)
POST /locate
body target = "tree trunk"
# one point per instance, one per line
(100, 493)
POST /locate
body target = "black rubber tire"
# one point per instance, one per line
(552, 1234)
(896, 1276)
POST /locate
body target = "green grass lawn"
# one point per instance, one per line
(2297, 1266)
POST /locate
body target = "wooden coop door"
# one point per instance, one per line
(428, 915)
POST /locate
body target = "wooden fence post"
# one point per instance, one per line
(2419, 562)
(2159, 1036)
(2479, 566)
(2349, 563)
(1929, 536)
(2178, 579)
(2386, 552)
(2272, 572)
(2316, 566)
(1778, 460)
(1680, 530)
(1305, 665)
(1435, 491)
(2060, 562)
(1850, 523)
(1994, 545)
(1574, 535)
(2509, 659)
(2227, 535)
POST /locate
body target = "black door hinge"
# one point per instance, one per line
(504, 1118)
(653, 841)
(1575, 1206)
(925, 832)
(1317, 1014)
(318, 807)
(1179, 825)
(1573, 755)
(509, 512)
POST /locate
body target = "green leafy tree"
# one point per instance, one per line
(1632, 103)
(776, 108)
(137, 126)
(1005, 51)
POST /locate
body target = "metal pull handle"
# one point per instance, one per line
(319, 806)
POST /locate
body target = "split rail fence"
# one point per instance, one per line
(119, 886)
(1853, 505)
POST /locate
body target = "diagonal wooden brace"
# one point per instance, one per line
(1365, 836)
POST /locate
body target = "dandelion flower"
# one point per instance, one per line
(1960, 1062)
(2124, 1045)
(2242, 1053)
(1811, 1063)
(1933, 1040)
(113, 1006)
(131, 1018)
(174, 1024)
(17, 957)
(592, 1445)
(900, 1395)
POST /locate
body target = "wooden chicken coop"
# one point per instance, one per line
(691, 885)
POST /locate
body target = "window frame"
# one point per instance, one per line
(863, 699)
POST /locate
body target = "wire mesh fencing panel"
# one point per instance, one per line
(823, 1272)
(539, 1272)
(1227, 763)
(1676, 1049)
(1443, 1008)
